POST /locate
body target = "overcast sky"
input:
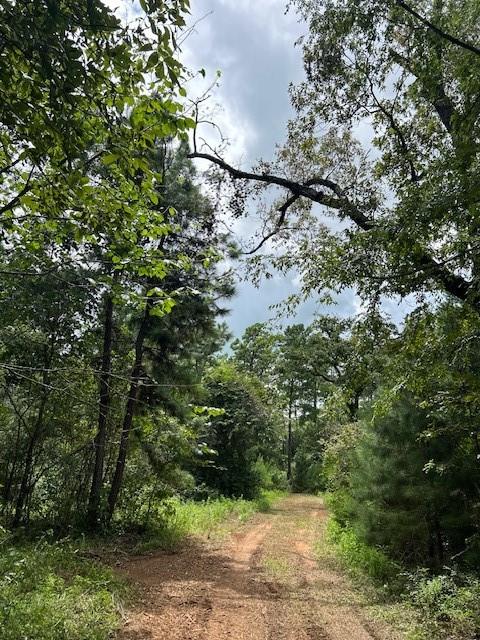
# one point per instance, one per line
(252, 44)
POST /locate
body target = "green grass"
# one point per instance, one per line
(359, 558)
(176, 520)
(49, 592)
(277, 566)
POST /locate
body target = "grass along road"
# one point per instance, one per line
(262, 583)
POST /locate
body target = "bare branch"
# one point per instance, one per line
(279, 226)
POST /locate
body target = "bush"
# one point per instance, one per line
(449, 603)
(445, 605)
(175, 519)
(270, 476)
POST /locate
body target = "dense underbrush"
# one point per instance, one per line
(442, 605)
(50, 591)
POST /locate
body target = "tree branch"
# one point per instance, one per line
(281, 219)
(305, 190)
(16, 199)
(443, 34)
(452, 283)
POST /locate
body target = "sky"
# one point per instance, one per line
(252, 44)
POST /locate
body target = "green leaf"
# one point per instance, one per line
(110, 158)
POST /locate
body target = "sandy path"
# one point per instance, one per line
(264, 583)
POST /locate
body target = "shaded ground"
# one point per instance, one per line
(262, 583)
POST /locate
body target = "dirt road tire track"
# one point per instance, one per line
(264, 583)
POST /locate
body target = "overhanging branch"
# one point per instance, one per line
(337, 201)
(440, 32)
(452, 283)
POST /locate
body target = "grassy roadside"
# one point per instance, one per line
(49, 591)
(421, 605)
(53, 590)
(210, 519)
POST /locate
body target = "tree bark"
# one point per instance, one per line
(289, 437)
(28, 466)
(93, 513)
(130, 408)
(25, 488)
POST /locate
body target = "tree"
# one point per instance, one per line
(75, 89)
(246, 429)
(399, 501)
(137, 318)
(40, 343)
(409, 217)
(405, 475)
(85, 99)
(192, 248)
(255, 351)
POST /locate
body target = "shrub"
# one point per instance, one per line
(176, 519)
(449, 603)
(445, 605)
(359, 558)
(270, 476)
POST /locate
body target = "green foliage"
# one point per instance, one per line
(403, 481)
(408, 212)
(49, 592)
(245, 430)
(308, 460)
(382, 485)
(444, 605)
(317, 376)
(254, 353)
(360, 558)
(52, 329)
(449, 604)
(270, 476)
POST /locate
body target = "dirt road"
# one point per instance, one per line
(264, 583)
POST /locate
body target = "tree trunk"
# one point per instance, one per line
(353, 405)
(25, 488)
(28, 466)
(289, 439)
(10, 471)
(129, 413)
(93, 512)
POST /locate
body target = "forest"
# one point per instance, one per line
(147, 449)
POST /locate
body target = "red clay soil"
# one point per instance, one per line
(263, 583)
